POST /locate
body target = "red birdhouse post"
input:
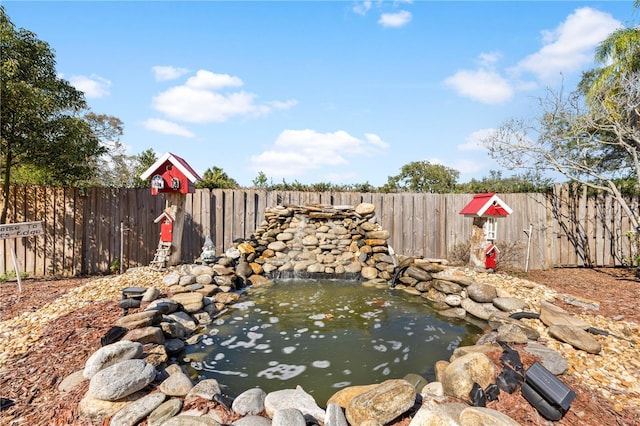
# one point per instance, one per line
(173, 176)
(485, 209)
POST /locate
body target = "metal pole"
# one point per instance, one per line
(16, 268)
(122, 230)
(121, 245)
(528, 232)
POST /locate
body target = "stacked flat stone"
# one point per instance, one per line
(314, 240)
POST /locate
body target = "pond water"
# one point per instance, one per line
(323, 336)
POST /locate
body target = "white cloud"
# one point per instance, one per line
(570, 46)
(201, 106)
(93, 87)
(361, 8)
(487, 59)
(566, 49)
(166, 127)
(283, 104)
(208, 80)
(282, 164)
(296, 152)
(200, 100)
(376, 140)
(482, 85)
(474, 142)
(164, 73)
(395, 20)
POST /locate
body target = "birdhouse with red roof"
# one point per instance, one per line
(489, 207)
(171, 174)
(485, 209)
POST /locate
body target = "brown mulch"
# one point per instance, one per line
(31, 381)
(617, 290)
(34, 294)
(586, 408)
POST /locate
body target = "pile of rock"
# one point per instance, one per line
(317, 240)
(134, 377)
(456, 295)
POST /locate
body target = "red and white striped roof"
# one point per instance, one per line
(486, 205)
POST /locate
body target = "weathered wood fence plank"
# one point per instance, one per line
(82, 226)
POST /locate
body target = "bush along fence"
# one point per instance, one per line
(102, 230)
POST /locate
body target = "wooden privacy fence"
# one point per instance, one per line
(90, 231)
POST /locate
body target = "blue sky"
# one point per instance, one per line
(320, 91)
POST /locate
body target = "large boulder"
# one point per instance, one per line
(293, 398)
(177, 384)
(551, 314)
(137, 410)
(485, 416)
(121, 379)
(460, 375)
(191, 302)
(249, 402)
(383, 403)
(344, 396)
(140, 319)
(576, 337)
(482, 293)
(111, 354)
(432, 413)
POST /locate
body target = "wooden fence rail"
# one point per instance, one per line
(83, 227)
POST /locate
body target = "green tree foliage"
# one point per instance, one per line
(142, 162)
(215, 177)
(596, 144)
(619, 57)
(42, 127)
(422, 176)
(116, 169)
(361, 187)
(289, 186)
(530, 181)
(263, 182)
(260, 181)
(111, 168)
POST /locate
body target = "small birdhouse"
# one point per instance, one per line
(489, 207)
(491, 256)
(166, 227)
(485, 209)
(171, 174)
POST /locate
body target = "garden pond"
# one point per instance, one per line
(323, 335)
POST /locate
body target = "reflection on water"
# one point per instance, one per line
(323, 335)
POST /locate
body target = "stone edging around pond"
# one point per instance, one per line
(120, 372)
(315, 241)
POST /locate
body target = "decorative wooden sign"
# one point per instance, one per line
(20, 230)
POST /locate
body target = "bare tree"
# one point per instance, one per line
(596, 144)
